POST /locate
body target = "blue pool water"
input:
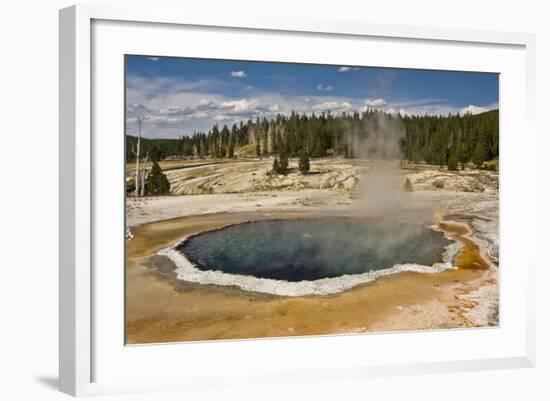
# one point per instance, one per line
(311, 249)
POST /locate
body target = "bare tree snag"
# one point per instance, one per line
(139, 120)
(143, 174)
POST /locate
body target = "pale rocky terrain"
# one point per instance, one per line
(246, 176)
(210, 187)
(424, 178)
(149, 209)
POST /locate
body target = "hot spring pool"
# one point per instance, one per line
(312, 249)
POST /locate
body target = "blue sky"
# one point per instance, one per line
(177, 96)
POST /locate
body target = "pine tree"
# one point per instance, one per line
(276, 166)
(303, 164)
(265, 139)
(283, 164)
(157, 183)
(480, 154)
(463, 155)
(258, 149)
(452, 163)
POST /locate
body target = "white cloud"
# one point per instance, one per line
(164, 119)
(332, 106)
(375, 102)
(473, 109)
(404, 113)
(200, 114)
(204, 104)
(238, 74)
(237, 106)
(401, 111)
(320, 87)
(173, 107)
(141, 89)
(346, 69)
(138, 109)
(222, 117)
(153, 58)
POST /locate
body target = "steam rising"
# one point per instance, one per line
(380, 184)
(379, 140)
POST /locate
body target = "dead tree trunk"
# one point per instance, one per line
(143, 174)
(137, 156)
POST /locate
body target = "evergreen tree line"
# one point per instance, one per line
(451, 140)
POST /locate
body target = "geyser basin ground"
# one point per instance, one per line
(308, 256)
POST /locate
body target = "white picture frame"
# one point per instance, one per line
(85, 329)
